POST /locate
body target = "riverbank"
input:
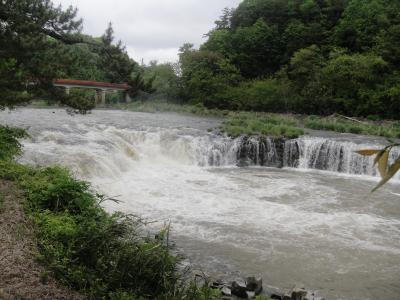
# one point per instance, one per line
(21, 276)
(271, 124)
(236, 123)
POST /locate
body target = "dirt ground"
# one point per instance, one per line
(21, 276)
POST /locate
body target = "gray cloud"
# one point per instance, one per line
(151, 29)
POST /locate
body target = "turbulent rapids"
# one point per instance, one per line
(121, 148)
(292, 211)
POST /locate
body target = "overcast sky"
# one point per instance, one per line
(151, 29)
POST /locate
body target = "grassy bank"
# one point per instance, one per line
(283, 125)
(164, 106)
(257, 123)
(101, 255)
(291, 126)
(261, 124)
(388, 129)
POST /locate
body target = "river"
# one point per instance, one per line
(312, 222)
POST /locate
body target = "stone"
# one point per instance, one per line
(286, 297)
(298, 294)
(312, 296)
(251, 294)
(254, 284)
(226, 291)
(276, 296)
(239, 289)
(217, 284)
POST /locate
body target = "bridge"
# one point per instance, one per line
(101, 88)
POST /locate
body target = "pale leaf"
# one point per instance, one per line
(383, 163)
(378, 156)
(390, 173)
(368, 152)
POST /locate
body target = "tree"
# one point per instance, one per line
(164, 80)
(204, 75)
(30, 33)
(304, 66)
(224, 21)
(260, 36)
(363, 20)
(353, 81)
(115, 61)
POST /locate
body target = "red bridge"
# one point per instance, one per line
(101, 88)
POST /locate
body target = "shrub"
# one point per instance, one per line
(9, 144)
(56, 190)
(100, 254)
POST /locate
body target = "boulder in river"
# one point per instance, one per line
(298, 294)
(254, 285)
(239, 289)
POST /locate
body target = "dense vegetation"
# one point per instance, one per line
(40, 42)
(103, 256)
(302, 56)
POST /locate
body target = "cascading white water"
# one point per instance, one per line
(331, 155)
(288, 225)
(110, 151)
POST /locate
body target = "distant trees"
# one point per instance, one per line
(40, 42)
(204, 74)
(114, 59)
(306, 56)
(164, 80)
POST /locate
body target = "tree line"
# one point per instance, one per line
(297, 56)
(300, 56)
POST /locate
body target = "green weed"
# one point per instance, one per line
(9, 144)
(261, 124)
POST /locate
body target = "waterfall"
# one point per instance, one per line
(108, 150)
(311, 153)
(331, 155)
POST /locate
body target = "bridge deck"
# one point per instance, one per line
(91, 84)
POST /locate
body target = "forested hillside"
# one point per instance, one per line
(303, 56)
(300, 56)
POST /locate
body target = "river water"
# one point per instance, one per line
(312, 223)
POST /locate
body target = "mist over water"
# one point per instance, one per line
(312, 222)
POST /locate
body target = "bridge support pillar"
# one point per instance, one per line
(96, 96)
(128, 98)
(67, 90)
(103, 97)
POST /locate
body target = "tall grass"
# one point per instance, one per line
(294, 125)
(384, 129)
(261, 124)
(258, 123)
